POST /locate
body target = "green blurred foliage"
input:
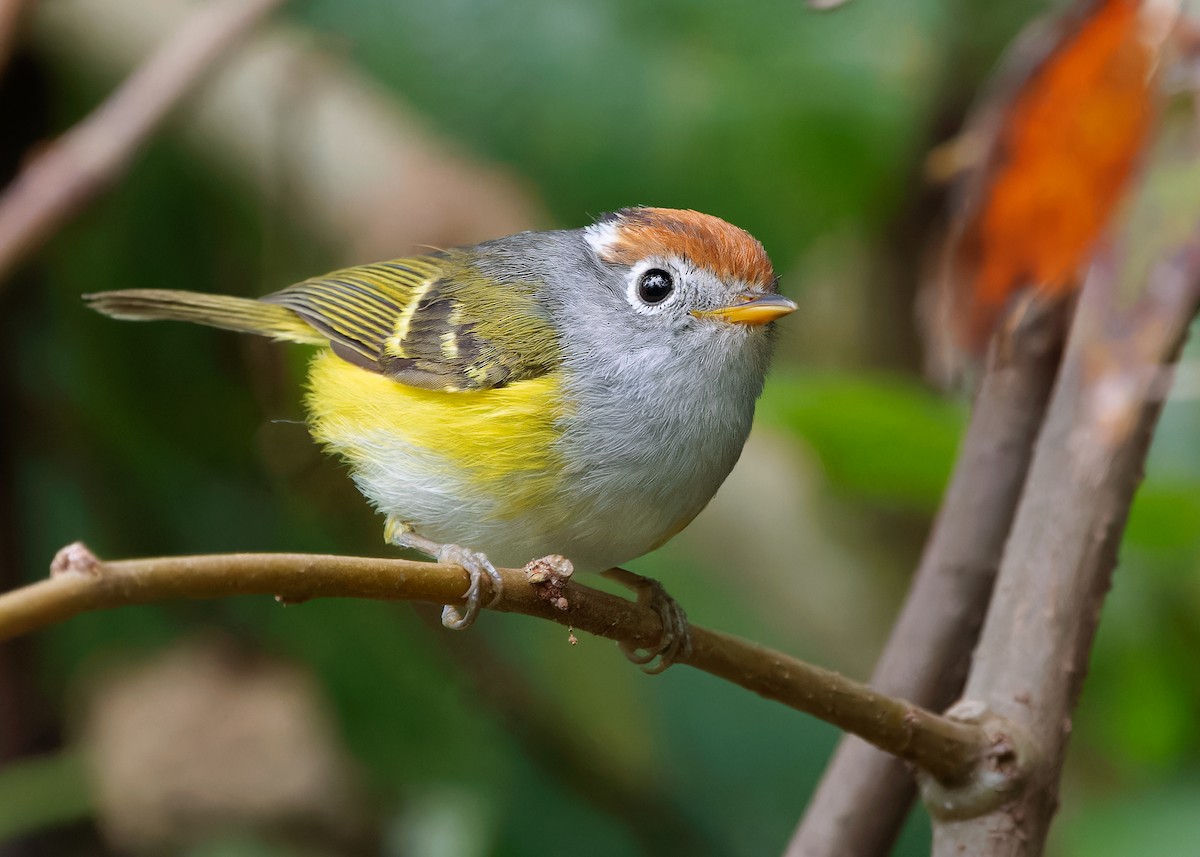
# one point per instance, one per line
(718, 106)
(884, 440)
(1161, 820)
(45, 790)
(166, 439)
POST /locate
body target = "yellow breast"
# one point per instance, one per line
(428, 446)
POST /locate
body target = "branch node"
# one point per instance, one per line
(1003, 769)
(75, 558)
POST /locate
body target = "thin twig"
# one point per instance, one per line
(947, 749)
(89, 157)
(864, 795)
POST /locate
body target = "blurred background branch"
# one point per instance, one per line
(1065, 540)
(66, 174)
(1036, 191)
(864, 795)
(361, 172)
(11, 12)
(1140, 298)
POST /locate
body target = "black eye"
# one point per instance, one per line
(655, 286)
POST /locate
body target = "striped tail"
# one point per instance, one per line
(241, 314)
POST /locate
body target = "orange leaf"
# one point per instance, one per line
(1058, 154)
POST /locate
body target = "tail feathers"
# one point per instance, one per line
(241, 314)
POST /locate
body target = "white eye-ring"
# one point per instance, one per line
(653, 285)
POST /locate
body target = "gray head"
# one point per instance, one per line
(641, 280)
(686, 272)
(680, 285)
(662, 326)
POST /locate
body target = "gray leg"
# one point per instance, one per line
(474, 563)
(676, 640)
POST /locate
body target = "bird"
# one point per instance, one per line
(579, 392)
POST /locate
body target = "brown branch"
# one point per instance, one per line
(864, 795)
(947, 749)
(88, 158)
(1029, 666)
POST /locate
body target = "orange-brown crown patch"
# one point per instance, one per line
(632, 234)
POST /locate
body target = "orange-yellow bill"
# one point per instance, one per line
(753, 312)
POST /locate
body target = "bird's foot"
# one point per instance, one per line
(676, 641)
(474, 563)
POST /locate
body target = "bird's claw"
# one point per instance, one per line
(476, 566)
(398, 532)
(675, 644)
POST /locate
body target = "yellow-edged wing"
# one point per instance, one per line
(434, 322)
(429, 321)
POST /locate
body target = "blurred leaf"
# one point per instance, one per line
(1139, 711)
(1145, 719)
(1042, 182)
(42, 791)
(885, 439)
(1165, 516)
(777, 119)
(443, 823)
(1162, 822)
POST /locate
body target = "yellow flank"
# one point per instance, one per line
(501, 440)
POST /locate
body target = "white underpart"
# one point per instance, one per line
(421, 488)
(417, 485)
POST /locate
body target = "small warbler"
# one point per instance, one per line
(579, 392)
